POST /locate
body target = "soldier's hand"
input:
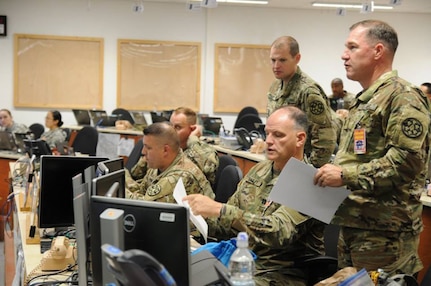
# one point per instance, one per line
(203, 205)
(329, 176)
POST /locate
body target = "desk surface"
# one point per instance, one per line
(10, 155)
(108, 130)
(239, 153)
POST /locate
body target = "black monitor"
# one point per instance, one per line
(161, 229)
(103, 185)
(109, 166)
(212, 125)
(56, 189)
(37, 147)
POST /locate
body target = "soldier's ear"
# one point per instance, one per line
(301, 136)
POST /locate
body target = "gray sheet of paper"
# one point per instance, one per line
(295, 189)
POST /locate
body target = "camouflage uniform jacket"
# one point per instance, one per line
(278, 234)
(301, 91)
(16, 128)
(159, 187)
(347, 101)
(200, 153)
(204, 156)
(54, 136)
(387, 181)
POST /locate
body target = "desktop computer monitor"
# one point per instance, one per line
(56, 188)
(158, 117)
(161, 229)
(112, 184)
(109, 166)
(212, 125)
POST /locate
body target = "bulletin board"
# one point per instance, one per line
(58, 71)
(158, 75)
(242, 77)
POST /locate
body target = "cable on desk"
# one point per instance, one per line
(36, 273)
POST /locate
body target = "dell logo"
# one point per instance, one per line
(129, 223)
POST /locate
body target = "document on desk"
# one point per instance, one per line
(295, 189)
(198, 220)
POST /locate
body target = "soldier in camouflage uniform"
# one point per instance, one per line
(202, 154)
(7, 123)
(278, 235)
(55, 134)
(166, 165)
(293, 87)
(340, 99)
(382, 158)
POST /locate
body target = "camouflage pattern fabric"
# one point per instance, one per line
(200, 153)
(396, 251)
(348, 99)
(301, 91)
(387, 181)
(204, 156)
(16, 128)
(277, 234)
(159, 187)
(54, 136)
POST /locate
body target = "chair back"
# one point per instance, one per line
(134, 155)
(37, 130)
(123, 115)
(246, 110)
(86, 141)
(249, 121)
(228, 182)
(224, 160)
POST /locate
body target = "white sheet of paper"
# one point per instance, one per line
(198, 221)
(295, 189)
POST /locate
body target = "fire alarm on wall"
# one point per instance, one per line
(3, 30)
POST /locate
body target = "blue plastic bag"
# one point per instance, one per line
(222, 250)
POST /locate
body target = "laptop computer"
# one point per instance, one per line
(19, 141)
(139, 118)
(7, 141)
(101, 118)
(82, 116)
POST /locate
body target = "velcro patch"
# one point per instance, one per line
(316, 107)
(412, 127)
(154, 190)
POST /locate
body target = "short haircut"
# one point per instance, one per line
(337, 81)
(188, 112)
(289, 42)
(379, 31)
(428, 87)
(297, 115)
(165, 132)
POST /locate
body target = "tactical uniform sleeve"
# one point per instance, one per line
(140, 169)
(322, 133)
(403, 154)
(204, 156)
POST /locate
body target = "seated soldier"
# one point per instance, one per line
(202, 154)
(166, 164)
(277, 234)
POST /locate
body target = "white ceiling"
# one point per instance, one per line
(407, 6)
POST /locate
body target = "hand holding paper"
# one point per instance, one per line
(198, 221)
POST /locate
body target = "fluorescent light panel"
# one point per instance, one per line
(348, 6)
(259, 2)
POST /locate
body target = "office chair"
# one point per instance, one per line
(123, 115)
(244, 111)
(323, 266)
(37, 130)
(224, 160)
(135, 155)
(228, 182)
(86, 141)
(67, 131)
(157, 117)
(249, 122)
(426, 280)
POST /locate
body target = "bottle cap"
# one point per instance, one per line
(242, 239)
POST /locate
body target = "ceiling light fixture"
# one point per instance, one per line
(259, 2)
(349, 6)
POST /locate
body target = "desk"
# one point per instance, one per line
(425, 237)
(5, 158)
(245, 159)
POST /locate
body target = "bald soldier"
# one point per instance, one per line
(293, 87)
(166, 165)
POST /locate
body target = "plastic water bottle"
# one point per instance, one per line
(221, 132)
(241, 263)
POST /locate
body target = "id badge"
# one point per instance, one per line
(360, 141)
